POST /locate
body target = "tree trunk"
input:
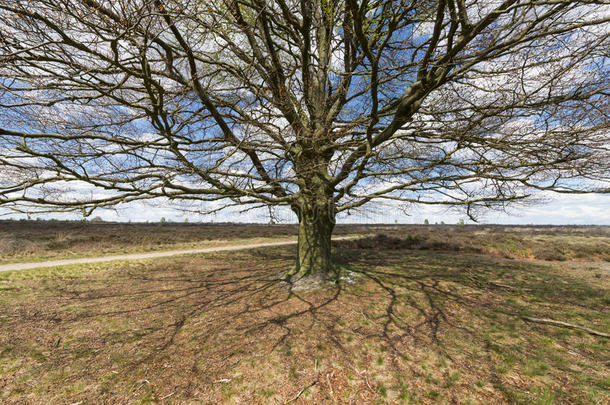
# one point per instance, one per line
(314, 264)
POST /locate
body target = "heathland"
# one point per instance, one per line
(418, 314)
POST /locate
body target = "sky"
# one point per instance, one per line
(560, 209)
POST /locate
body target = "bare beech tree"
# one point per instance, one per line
(318, 105)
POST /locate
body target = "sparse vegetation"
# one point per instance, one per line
(426, 319)
(560, 243)
(39, 240)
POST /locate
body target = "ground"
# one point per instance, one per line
(44, 240)
(431, 317)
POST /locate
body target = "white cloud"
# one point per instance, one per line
(588, 209)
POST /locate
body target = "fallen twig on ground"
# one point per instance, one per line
(301, 392)
(330, 387)
(362, 374)
(566, 325)
(167, 396)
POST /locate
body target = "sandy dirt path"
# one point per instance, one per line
(138, 256)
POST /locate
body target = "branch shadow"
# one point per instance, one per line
(214, 317)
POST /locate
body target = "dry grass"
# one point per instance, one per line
(549, 243)
(404, 326)
(40, 240)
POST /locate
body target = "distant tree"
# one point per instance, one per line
(97, 219)
(317, 105)
(162, 220)
(426, 222)
(461, 221)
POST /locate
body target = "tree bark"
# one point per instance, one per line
(316, 224)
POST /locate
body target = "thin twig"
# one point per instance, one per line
(301, 392)
(364, 377)
(330, 387)
(167, 396)
(566, 325)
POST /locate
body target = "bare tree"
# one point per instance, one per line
(319, 105)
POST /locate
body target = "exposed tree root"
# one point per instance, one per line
(565, 325)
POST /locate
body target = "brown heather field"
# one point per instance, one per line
(42, 240)
(421, 314)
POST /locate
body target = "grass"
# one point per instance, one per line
(16, 247)
(417, 326)
(46, 240)
(35, 241)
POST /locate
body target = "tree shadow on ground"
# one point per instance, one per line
(218, 327)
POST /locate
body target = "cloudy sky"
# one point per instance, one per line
(591, 209)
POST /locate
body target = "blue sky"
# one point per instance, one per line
(562, 209)
(589, 209)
